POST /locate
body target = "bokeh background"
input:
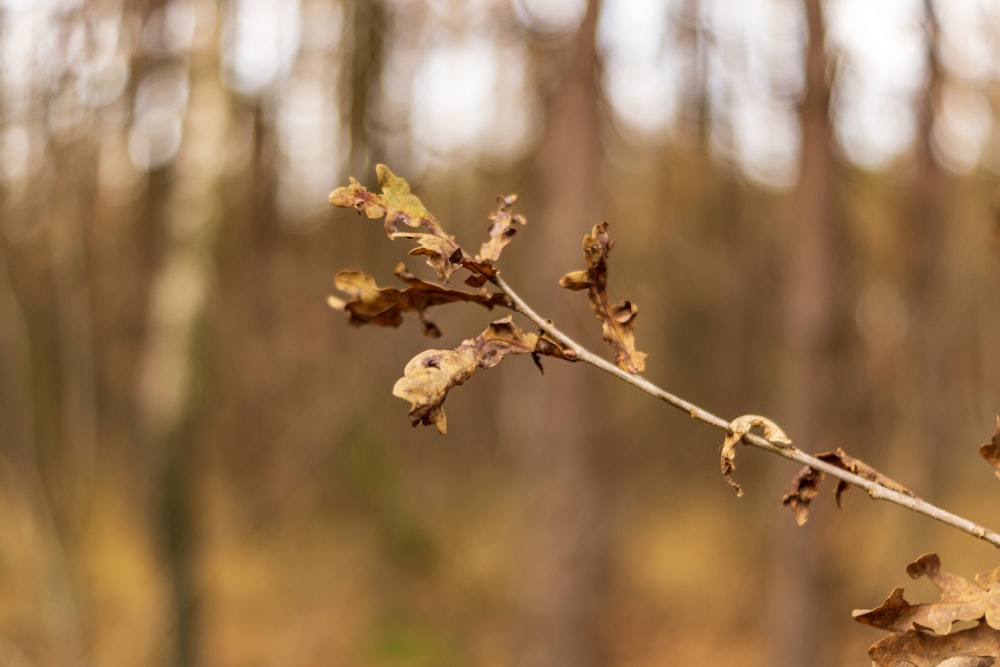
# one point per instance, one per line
(202, 464)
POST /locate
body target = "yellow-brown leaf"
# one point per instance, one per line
(618, 320)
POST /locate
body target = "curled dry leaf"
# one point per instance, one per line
(429, 376)
(399, 205)
(991, 451)
(738, 428)
(922, 633)
(370, 304)
(618, 320)
(503, 227)
(804, 486)
(504, 224)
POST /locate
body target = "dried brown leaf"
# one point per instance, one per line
(356, 196)
(429, 376)
(991, 451)
(443, 254)
(370, 304)
(974, 647)
(805, 485)
(846, 462)
(618, 320)
(503, 226)
(399, 205)
(961, 600)
(738, 428)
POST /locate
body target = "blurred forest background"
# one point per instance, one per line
(202, 464)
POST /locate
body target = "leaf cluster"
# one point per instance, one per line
(430, 375)
(924, 634)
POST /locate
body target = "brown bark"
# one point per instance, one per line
(565, 546)
(924, 243)
(168, 394)
(813, 313)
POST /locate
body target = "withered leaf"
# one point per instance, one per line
(973, 647)
(399, 205)
(961, 600)
(842, 460)
(443, 254)
(804, 486)
(738, 428)
(503, 226)
(502, 230)
(370, 304)
(429, 376)
(991, 451)
(354, 195)
(618, 320)
(402, 205)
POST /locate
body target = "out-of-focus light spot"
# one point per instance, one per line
(154, 139)
(322, 26)
(964, 43)
(101, 85)
(515, 125)
(164, 88)
(643, 97)
(39, 5)
(170, 28)
(160, 102)
(767, 143)
(550, 17)
(451, 88)
(21, 58)
(314, 146)
(962, 127)
(261, 40)
(883, 67)
(873, 129)
(640, 76)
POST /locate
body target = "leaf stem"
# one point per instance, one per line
(874, 489)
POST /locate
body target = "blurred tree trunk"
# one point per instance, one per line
(564, 559)
(48, 416)
(926, 396)
(367, 21)
(169, 395)
(814, 314)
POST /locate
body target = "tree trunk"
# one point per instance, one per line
(813, 316)
(168, 395)
(563, 566)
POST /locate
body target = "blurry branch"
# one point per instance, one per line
(877, 490)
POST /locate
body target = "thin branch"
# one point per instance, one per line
(874, 489)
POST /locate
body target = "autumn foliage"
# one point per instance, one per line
(920, 635)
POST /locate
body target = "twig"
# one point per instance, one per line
(874, 489)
